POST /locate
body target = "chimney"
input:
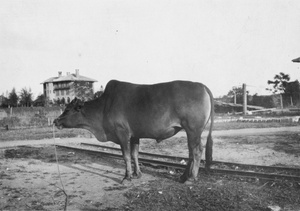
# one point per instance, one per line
(59, 73)
(77, 72)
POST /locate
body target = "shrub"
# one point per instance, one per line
(11, 122)
(38, 120)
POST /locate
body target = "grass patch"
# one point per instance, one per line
(214, 193)
(41, 133)
(289, 144)
(243, 125)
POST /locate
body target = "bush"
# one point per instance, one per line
(28, 116)
(11, 122)
(38, 120)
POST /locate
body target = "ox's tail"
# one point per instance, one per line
(209, 142)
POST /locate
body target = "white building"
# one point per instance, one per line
(67, 87)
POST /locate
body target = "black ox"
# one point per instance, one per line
(127, 112)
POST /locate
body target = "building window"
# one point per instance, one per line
(62, 92)
(67, 92)
(57, 93)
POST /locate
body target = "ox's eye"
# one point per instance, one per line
(78, 108)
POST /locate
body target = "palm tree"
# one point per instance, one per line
(280, 83)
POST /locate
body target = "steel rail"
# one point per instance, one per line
(175, 158)
(178, 158)
(159, 163)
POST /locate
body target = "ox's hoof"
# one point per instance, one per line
(136, 175)
(183, 178)
(126, 182)
(189, 181)
(207, 170)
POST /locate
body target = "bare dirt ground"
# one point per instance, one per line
(30, 180)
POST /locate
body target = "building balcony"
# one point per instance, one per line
(62, 88)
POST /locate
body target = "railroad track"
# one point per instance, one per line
(220, 168)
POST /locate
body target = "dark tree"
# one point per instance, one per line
(4, 102)
(264, 101)
(40, 100)
(292, 91)
(26, 97)
(57, 101)
(238, 92)
(13, 98)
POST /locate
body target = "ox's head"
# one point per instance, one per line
(72, 116)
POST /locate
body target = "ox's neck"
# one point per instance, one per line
(93, 118)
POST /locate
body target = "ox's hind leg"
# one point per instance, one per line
(195, 153)
(134, 144)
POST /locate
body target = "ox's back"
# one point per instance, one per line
(151, 110)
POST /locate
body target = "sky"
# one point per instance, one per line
(221, 44)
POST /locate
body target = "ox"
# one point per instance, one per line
(127, 112)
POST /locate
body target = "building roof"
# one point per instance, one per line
(68, 77)
(296, 60)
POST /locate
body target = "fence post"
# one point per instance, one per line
(281, 102)
(244, 99)
(234, 99)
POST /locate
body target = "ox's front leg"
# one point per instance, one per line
(126, 155)
(135, 143)
(125, 146)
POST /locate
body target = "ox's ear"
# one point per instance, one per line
(78, 104)
(74, 101)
